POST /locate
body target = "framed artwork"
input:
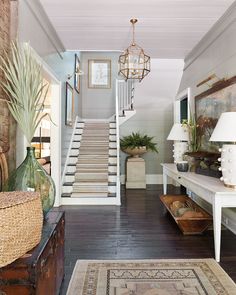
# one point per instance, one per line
(99, 73)
(208, 107)
(69, 111)
(76, 75)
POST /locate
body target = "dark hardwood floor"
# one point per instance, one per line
(139, 229)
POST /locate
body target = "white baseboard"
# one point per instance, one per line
(150, 179)
(95, 120)
(90, 201)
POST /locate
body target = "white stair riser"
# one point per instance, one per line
(80, 125)
(112, 144)
(74, 152)
(71, 169)
(91, 153)
(94, 147)
(95, 143)
(112, 189)
(76, 145)
(113, 131)
(77, 137)
(95, 135)
(112, 125)
(112, 137)
(90, 176)
(78, 131)
(112, 178)
(112, 160)
(91, 190)
(89, 195)
(93, 158)
(92, 166)
(66, 189)
(112, 152)
(72, 160)
(112, 169)
(69, 178)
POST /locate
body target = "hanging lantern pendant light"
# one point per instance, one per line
(134, 63)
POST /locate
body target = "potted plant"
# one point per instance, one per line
(26, 93)
(137, 144)
(192, 155)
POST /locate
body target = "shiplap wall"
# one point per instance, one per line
(215, 54)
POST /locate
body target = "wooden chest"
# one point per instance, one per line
(40, 271)
(188, 225)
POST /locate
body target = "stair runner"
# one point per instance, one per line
(91, 175)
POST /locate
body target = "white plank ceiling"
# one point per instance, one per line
(165, 28)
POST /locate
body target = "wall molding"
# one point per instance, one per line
(46, 25)
(226, 21)
(150, 179)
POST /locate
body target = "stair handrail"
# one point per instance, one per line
(69, 150)
(117, 147)
(125, 95)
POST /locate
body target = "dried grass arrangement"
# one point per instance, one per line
(25, 87)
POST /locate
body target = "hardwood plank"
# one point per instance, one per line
(139, 229)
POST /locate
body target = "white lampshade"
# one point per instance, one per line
(178, 132)
(225, 129)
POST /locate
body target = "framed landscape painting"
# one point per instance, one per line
(208, 107)
(99, 73)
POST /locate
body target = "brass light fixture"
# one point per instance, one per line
(134, 63)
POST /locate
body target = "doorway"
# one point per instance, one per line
(53, 131)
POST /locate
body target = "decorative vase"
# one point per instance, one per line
(135, 152)
(30, 176)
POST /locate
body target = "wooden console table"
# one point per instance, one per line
(209, 189)
(40, 271)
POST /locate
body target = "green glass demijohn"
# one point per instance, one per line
(31, 176)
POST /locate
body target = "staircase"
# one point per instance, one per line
(91, 175)
(92, 165)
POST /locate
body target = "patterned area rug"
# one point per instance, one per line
(150, 277)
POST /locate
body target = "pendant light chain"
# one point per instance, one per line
(133, 34)
(134, 63)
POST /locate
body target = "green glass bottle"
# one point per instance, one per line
(31, 176)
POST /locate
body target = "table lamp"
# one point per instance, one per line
(225, 131)
(179, 133)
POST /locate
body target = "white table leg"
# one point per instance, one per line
(164, 182)
(217, 226)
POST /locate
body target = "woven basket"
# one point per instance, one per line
(21, 221)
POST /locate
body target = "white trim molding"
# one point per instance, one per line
(150, 179)
(228, 18)
(44, 22)
(69, 149)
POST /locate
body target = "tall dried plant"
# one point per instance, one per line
(25, 88)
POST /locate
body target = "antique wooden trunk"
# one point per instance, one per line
(40, 271)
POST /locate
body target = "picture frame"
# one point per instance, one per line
(76, 74)
(209, 105)
(99, 73)
(69, 107)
